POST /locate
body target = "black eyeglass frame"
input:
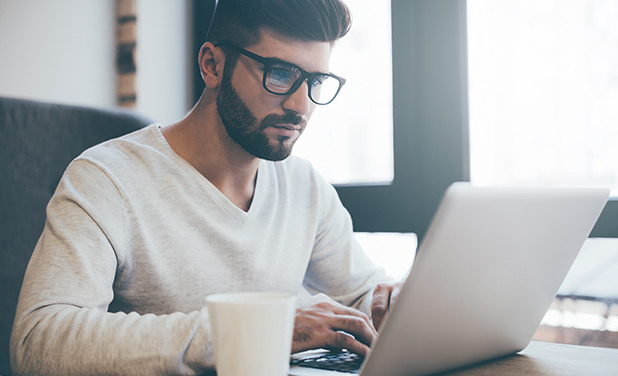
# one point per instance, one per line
(304, 75)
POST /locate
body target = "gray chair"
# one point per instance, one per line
(37, 142)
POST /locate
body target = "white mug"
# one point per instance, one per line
(252, 332)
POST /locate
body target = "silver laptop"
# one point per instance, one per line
(484, 275)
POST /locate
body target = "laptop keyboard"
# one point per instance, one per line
(343, 361)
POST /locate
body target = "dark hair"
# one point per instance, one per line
(239, 21)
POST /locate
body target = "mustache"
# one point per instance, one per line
(287, 118)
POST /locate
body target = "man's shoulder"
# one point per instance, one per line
(123, 147)
(126, 157)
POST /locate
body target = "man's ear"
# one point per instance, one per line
(211, 61)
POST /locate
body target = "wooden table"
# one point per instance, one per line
(550, 359)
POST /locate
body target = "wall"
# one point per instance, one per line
(164, 59)
(48, 53)
(64, 51)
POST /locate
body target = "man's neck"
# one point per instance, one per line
(202, 141)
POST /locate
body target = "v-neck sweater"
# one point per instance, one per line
(136, 238)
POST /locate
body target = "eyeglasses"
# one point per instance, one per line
(281, 77)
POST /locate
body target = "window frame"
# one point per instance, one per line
(430, 119)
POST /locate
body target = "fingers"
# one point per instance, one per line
(353, 321)
(324, 323)
(359, 327)
(380, 303)
(384, 295)
(341, 340)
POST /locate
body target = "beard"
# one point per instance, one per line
(248, 131)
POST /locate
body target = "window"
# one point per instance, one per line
(355, 132)
(544, 92)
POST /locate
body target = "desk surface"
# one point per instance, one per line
(549, 359)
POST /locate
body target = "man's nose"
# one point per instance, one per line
(299, 101)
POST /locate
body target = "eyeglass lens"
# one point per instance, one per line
(281, 79)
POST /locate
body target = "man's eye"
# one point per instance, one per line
(282, 76)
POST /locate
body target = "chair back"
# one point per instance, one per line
(37, 142)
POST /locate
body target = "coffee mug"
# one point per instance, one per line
(252, 332)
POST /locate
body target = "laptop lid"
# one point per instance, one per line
(486, 272)
(484, 275)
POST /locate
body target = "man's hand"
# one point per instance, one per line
(323, 323)
(384, 295)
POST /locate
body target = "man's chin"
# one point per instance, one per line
(278, 151)
(269, 147)
(277, 155)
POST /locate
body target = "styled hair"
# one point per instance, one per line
(239, 21)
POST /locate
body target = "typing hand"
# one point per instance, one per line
(384, 295)
(323, 323)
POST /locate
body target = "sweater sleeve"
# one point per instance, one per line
(339, 267)
(62, 324)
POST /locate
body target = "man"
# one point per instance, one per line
(142, 228)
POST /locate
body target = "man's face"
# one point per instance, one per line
(264, 124)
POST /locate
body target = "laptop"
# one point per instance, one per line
(486, 272)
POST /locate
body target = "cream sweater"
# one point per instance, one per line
(135, 238)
